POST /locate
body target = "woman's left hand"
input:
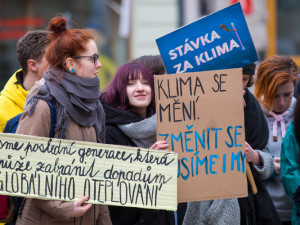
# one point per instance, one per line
(252, 155)
(80, 208)
(160, 145)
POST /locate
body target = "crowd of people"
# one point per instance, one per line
(60, 66)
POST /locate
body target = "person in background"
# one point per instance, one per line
(243, 210)
(256, 208)
(129, 106)
(290, 164)
(72, 84)
(31, 50)
(274, 89)
(153, 63)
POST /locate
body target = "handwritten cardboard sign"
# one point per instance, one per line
(35, 167)
(218, 41)
(201, 116)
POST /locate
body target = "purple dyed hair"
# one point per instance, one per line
(115, 94)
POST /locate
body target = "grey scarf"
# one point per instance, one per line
(142, 133)
(74, 96)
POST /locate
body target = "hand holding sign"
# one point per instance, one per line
(160, 145)
(252, 155)
(80, 207)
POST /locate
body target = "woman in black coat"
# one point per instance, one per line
(131, 121)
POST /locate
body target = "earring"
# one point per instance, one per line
(72, 70)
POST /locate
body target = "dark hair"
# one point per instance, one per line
(32, 46)
(65, 42)
(115, 94)
(272, 72)
(250, 81)
(249, 70)
(153, 63)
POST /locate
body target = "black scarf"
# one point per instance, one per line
(256, 209)
(74, 96)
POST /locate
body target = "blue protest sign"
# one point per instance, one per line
(218, 41)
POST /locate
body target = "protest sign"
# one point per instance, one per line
(201, 116)
(35, 167)
(218, 41)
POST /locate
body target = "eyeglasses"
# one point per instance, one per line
(93, 57)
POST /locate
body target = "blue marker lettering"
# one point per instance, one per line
(202, 140)
(237, 159)
(186, 167)
(229, 134)
(178, 173)
(207, 130)
(201, 162)
(186, 140)
(235, 134)
(224, 163)
(243, 156)
(211, 163)
(216, 136)
(176, 139)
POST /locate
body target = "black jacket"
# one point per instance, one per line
(114, 117)
(256, 209)
(129, 215)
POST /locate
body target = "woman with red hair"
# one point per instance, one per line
(72, 84)
(274, 88)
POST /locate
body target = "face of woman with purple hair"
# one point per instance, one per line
(139, 95)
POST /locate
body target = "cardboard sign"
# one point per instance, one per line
(201, 116)
(218, 41)
(35, 167)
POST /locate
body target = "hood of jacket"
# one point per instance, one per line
(14, 91)
(291, 108)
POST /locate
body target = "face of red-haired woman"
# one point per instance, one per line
(87, 63)
(283, 97)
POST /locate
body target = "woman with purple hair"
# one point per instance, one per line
(129, 106)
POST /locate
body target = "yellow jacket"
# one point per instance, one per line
(12, 99)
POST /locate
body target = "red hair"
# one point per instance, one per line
(272, 72)
(65, 42)
(115, 94)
